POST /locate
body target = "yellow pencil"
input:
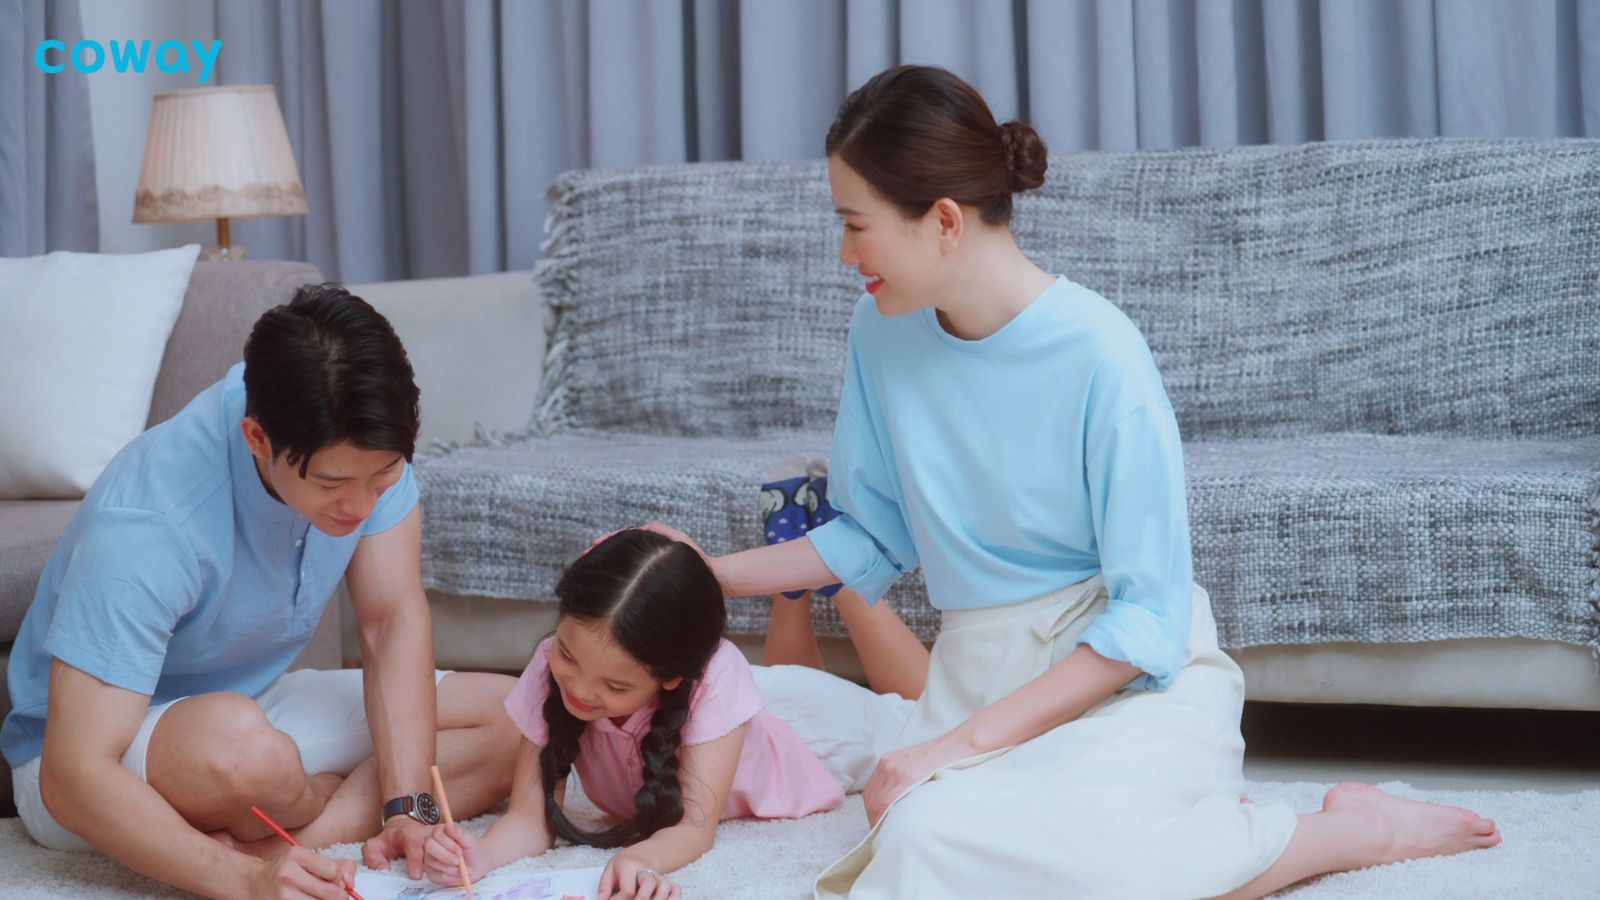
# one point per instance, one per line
(444, 805)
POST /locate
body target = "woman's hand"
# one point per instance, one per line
(675, 534)
(899, 770)
(627, 878)
(661, 529)
(446, 846)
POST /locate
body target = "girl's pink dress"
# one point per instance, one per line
(778, 775)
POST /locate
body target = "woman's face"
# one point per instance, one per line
(597, 678)
(899, 259)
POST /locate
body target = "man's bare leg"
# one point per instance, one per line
(213, 756)
(476, 755)
(1361, 826)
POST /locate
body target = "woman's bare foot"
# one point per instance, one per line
(222, 837)
(1411, 829)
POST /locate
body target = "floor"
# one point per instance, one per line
(1431, 749)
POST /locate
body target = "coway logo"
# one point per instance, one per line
(88, 57)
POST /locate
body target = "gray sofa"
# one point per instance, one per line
(1384, 356)
(223, 301)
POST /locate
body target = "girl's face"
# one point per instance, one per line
(901, 261)
(597, 678)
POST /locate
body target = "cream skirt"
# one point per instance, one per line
(1140, 797)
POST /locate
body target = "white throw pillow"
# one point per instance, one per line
(81, 341)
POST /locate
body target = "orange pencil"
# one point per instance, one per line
(290, 838)
(444, 806)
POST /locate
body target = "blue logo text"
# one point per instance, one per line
(88, 57)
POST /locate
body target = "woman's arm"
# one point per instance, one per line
(790, 566)
(1064, 692)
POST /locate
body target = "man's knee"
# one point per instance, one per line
(227, 738)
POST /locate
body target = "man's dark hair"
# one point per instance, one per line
(326, 368)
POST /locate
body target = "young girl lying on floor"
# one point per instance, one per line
(664, 722)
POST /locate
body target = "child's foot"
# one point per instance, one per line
(1411, 829)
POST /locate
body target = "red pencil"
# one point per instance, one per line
(290, 838)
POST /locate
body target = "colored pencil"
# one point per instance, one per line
(444, 806)
(348, 889)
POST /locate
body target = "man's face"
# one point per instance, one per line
(341, 485)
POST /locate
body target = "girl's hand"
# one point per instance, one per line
(626, 878)
(447, 845)
(899, 770)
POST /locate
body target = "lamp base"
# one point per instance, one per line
(230, 253)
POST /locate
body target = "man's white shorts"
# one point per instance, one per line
(323, 711)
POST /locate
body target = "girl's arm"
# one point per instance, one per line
(706, 773)
(522, 831)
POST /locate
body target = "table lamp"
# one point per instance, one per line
(218, 153)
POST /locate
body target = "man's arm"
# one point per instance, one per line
(396, 631)
(88, 726)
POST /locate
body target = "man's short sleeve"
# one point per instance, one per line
(395, 504)
(129, 578)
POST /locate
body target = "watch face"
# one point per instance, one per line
(427, 810)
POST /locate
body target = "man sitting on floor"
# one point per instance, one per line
(150, 704)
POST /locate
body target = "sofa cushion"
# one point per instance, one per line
(222, 304)
(503, 521)
(81, 341)
(1338, 537)
(694, 300)
(1391, 539)
(29, 533)
(1395, 286)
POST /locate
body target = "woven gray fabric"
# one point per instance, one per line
(1391, 287)
(1328, 538)
(1385, 359)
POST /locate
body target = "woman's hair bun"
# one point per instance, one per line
(1025, 155)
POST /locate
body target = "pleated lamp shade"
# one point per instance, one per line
(218, 153)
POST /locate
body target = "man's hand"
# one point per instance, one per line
(402, 836)
(302, 873)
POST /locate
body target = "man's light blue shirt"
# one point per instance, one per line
(1016, 465)
(180, 574)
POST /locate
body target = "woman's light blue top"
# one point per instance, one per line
(1015, 465)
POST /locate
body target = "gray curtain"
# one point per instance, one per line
(427, 130)
(47, 193)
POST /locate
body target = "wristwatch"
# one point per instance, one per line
(419, 806)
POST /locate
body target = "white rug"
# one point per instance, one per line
(1549, 852)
